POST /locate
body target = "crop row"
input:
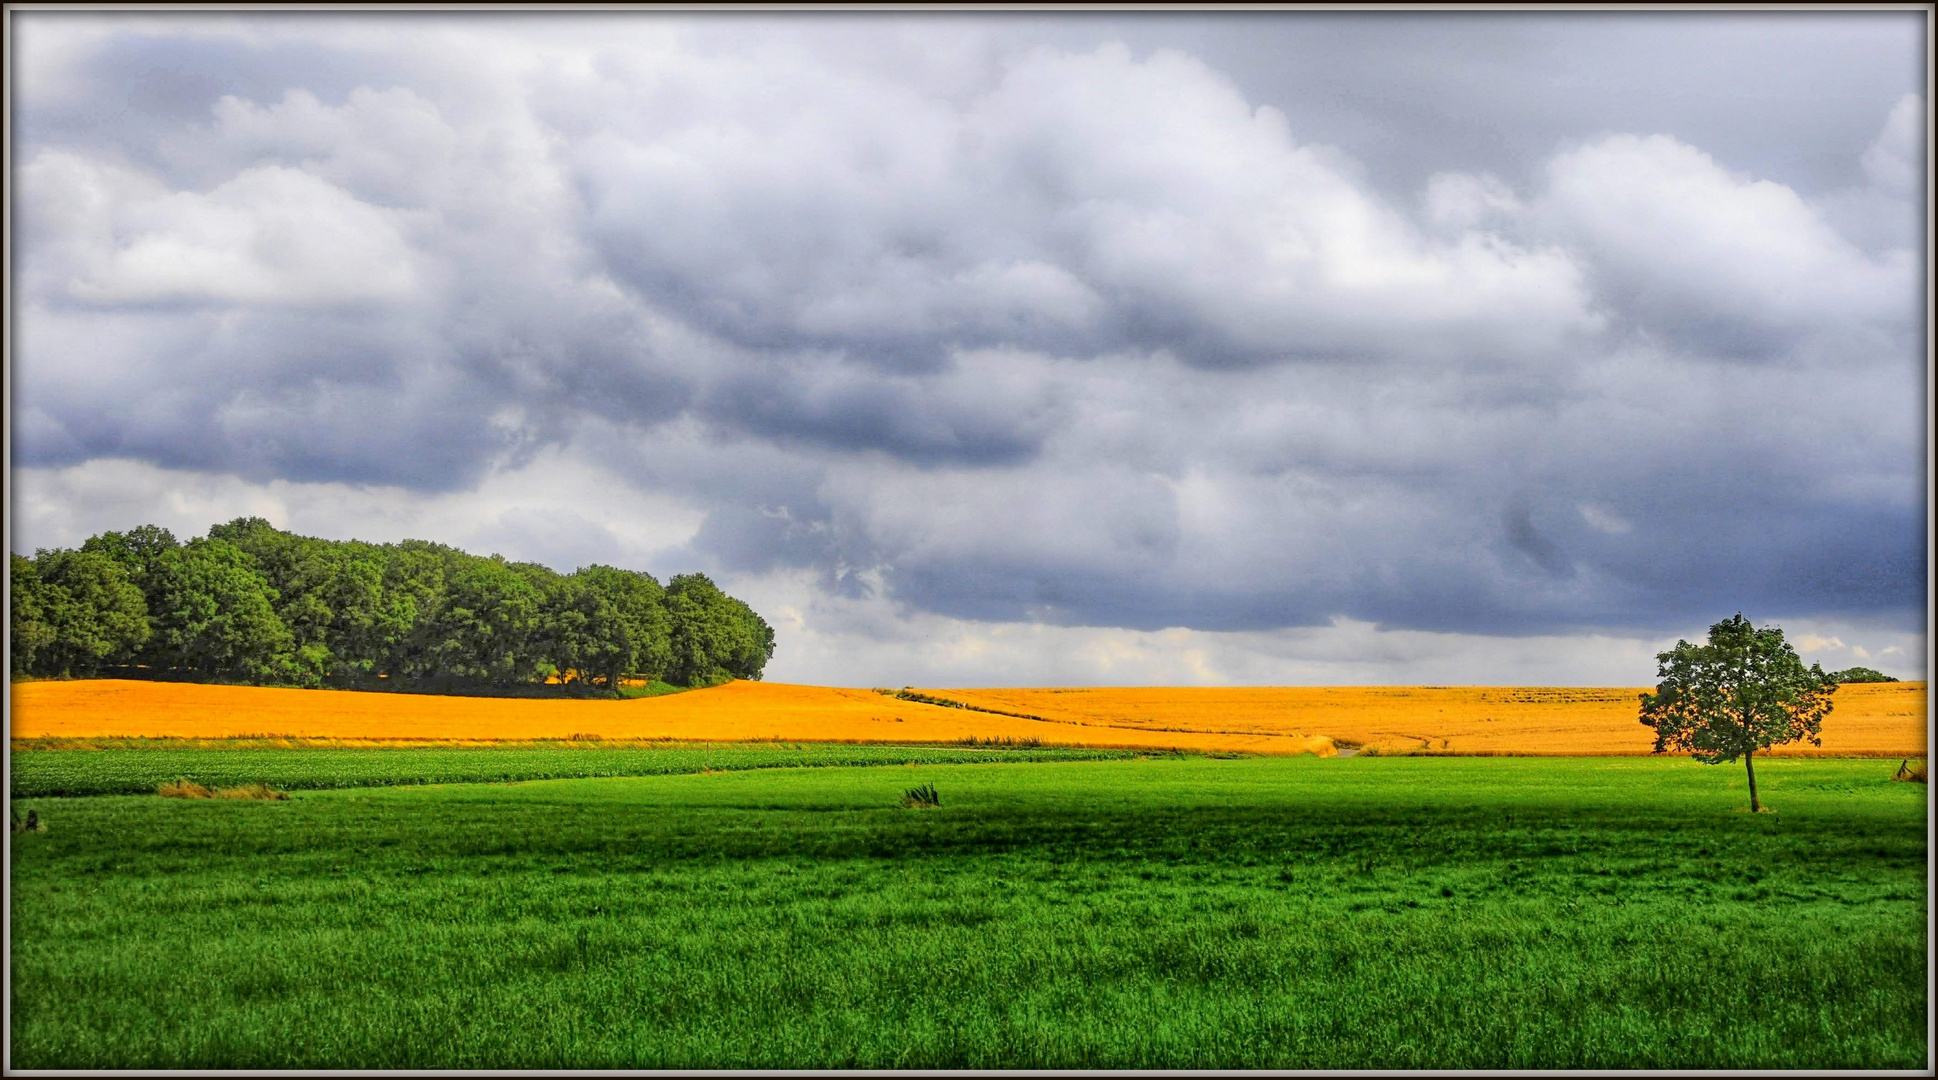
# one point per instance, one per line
(39, 773)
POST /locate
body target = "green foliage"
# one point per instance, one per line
(251, 602)
(28, 619)
(414, 588)
(138, 549)
(330, 596)
(652, 688)
(488, 626)
(214, 614)
(1395, 913)
(1743, 691)
(1860, 675)
(73, 612)
(714, 637)
(908, 693)
(609, 623)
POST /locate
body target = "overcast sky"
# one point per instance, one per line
(1031, 350)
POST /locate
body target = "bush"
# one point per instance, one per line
(921, 796)
(1911, 772)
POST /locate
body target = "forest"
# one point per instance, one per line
(252, 603)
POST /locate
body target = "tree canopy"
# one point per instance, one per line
(74, 611)
(1861, 674)
(250, 602)
(1743, 691)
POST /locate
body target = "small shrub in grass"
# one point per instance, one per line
(257, 790)
(921, 796)
(1912, 772)
(30, 824)
(182, 789)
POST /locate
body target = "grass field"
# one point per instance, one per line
(139, 766)
(1394, 912)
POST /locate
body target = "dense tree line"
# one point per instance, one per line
(1861, 674)
(251, 602)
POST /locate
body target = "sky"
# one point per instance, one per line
(1015, 349)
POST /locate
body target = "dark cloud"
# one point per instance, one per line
(971, 414)
(1546, 554)
(1487, 324)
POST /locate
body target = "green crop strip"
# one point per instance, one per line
(125, 770)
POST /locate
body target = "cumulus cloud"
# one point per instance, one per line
(1731, 265)
(560, 509)
(1896, 161)
(954, 323)
(1083, 201)
(271, 236)
(1462, 202)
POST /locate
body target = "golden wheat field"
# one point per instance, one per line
(1885, 719)
(1869, 718)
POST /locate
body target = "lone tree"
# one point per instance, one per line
(1744, 691)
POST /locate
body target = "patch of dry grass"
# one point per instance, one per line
(257, 790)
(189, 789)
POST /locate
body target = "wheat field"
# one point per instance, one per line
(1868, 718)
(1882, 719)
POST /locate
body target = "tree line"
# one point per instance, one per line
(252, 603)
(1861, 674)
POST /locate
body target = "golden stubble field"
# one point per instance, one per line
(1883, 719)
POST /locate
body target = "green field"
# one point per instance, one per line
(138, 766)
(1181, 912)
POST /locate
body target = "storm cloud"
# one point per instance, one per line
(1136, 325)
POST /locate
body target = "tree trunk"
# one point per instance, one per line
(1755, 807)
